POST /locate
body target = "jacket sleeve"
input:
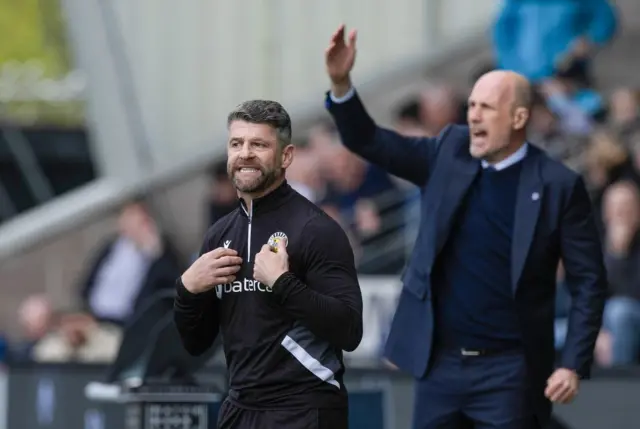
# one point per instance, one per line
(328, 300)
(585, 277)
(196, 316)
(410, 158)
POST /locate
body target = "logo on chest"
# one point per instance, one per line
(278, 237)
(240, 286)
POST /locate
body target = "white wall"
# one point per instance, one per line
(193, 61)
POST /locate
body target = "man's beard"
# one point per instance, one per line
(258, 184)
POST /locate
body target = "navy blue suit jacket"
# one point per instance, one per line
(553, 220)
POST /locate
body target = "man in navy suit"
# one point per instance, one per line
(474, 322)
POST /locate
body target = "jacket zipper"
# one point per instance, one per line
(249, 237)
(250, 217)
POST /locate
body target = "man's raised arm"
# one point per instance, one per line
(407, 157)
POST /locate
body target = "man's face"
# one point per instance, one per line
(132, 218)
(254, 160)
(490, 118)
(624, 106)
(438, 108)
(622, 207)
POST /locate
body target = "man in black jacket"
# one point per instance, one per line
(277, 277)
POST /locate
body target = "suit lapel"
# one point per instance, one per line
(464, 170)
(528, 203)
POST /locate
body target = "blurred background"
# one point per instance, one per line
(112, 166)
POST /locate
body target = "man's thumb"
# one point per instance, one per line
(281, 246)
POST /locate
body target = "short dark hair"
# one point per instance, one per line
(408, 111)
(264, 112)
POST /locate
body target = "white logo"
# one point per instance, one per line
(278, 237)
(245, 285)
(227, 243)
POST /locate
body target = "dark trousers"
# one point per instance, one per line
(233, 417)
(479, 392)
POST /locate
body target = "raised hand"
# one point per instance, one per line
(211, 269)
(339, 59)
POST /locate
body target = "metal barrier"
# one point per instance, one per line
(52, 397)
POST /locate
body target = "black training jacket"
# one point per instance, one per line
(283, 345)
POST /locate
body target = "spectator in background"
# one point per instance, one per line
(322, 137)
(37, 319)
(537, 37)
(624, 114)
(131, 266)
(304, 175)
(407, 119)
(606, 161)
(439, 107)
(350, 178)
(363, 195)
(52, 337)
(222, 195)
(575, 108)
(622, 253)
(128, 269)
(545, 130)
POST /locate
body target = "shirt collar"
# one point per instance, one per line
(512, 159)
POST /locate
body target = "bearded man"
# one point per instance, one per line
(276, 277)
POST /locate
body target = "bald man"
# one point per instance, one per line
(474, 322)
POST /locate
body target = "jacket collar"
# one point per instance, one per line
(269, 201)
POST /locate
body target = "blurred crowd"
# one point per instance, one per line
(593, 132)
(137, 262)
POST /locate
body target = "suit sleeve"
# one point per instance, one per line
(328, 300)
(585, 277)
(196, 315)
(409, 158)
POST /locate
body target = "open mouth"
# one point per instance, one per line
(479, 133)
(248, 170)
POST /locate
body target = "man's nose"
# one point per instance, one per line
(246, 151)
(473, 116)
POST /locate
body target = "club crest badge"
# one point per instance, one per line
(278, 237)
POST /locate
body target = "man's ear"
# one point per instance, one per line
(287, 155)
(520, 118)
